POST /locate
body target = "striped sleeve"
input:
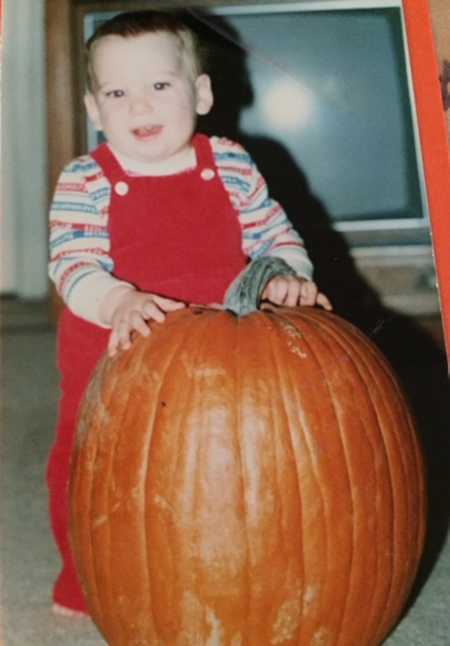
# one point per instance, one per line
(266, 229)
(80, 265)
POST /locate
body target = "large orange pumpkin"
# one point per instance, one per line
(247, 482)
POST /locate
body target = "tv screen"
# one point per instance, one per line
(320, 94)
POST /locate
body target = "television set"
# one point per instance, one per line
(323, 94)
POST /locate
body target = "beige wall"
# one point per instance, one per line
(440, 11)
(23, 241)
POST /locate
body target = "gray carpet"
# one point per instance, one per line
(28, 559)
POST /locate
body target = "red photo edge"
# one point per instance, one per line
(433, 142)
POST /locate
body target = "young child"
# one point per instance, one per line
(156, 218)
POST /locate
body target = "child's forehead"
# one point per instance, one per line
(157, 50)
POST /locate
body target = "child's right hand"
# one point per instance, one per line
(131, 313)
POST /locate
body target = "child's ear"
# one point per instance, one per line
(204, 94)
(92, 110)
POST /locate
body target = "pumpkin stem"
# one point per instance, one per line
(244, 294)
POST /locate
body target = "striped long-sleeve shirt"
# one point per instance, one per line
(80, 263)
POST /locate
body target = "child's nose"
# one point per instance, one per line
(140, 103)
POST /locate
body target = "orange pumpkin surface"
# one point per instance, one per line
(247, 482)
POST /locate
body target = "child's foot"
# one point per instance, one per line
(63, 611)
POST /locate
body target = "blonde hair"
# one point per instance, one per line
(135, 23)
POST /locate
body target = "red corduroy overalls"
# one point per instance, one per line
(177, 236)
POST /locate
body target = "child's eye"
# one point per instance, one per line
(161, 85)
(115, 94)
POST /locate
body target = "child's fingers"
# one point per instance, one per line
(151, 310)
(138, 324)
(124, 336)
(308, 294)
(275, 291)
(133, 317)
(167, 304)
(120, 337)
(294, 292)
(324, 302)
(311, 296)
(113, 343)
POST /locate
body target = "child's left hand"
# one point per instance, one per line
(293, 290)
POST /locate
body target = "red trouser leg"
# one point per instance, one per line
(80, 346)
(67, 591)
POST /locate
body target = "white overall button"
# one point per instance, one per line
(207, 174)
(121, 188)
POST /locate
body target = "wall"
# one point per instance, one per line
(24, 151)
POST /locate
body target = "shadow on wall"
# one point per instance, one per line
(419, 361)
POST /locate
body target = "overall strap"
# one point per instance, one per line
(203, 151)
(108, 163)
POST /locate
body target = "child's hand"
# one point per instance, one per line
(292, 290)
(131, 314)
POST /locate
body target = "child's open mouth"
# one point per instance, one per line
(146, 132)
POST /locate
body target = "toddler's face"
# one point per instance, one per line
(145, 96)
